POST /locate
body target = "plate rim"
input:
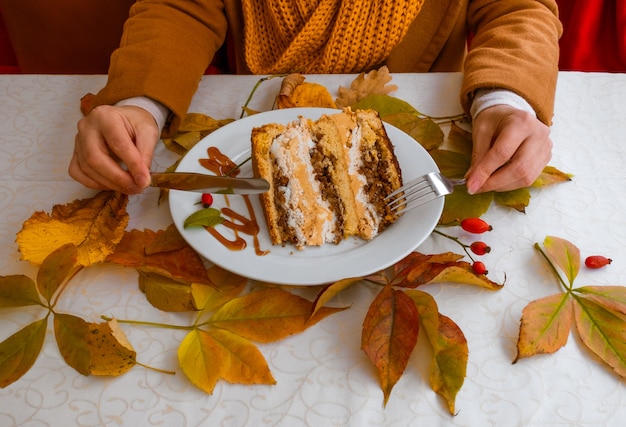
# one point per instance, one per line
(365, 248)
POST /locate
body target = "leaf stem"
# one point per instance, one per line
(144, 323)
(256, 86)
(568, 287)
(162, 371)
(457, 240)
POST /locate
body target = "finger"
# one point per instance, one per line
(507, 141)
(523, 169)
(93, 166)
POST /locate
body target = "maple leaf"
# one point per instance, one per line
(19, 352)
(93, 225)
(599, 312)
(93, 348)
(450, 350)
(372, 83)
(390, 331)
(148, 251)
(295, 92)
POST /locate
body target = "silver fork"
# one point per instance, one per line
(421, 190)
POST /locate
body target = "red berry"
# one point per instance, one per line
(207, 200)
(475, 225)
(597, 261)
(480, 248)
(479, 268)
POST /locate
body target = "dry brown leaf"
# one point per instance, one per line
(295, 92)
(94, 225)
(372, 83)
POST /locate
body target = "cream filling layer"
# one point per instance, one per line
(310, 216)
(366, 212)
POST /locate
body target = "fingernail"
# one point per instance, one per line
(143, 181)
(472, 188)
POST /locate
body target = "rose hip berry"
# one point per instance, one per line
(480, 248)
(207, 200)
(475, 225)
(479, 268)
(597, 261)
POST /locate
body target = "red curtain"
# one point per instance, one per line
(594, 35)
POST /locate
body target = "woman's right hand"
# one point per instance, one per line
(113, 149)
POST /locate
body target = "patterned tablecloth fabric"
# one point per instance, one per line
(323, 377)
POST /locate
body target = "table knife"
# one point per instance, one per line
(201, 183)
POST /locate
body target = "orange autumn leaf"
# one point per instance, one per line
(450, 350)
(295, 92)
(545, 325)
(266, 315)
(390, 331)
(564, 255)
(180, 263)
(209, 356)
(93, 225)
(611, 297)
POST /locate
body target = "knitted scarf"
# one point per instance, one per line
(323, 36)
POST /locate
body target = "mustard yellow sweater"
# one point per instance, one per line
(168, 44)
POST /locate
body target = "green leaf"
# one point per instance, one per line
(517, 199)
(451, 163)
(563, 255)
(19, 352)
(385, 105)
(460, 205)
(55, 268)
(603, 331)
(450, 350)
(208, 217)
(18, 291)
(423, 130)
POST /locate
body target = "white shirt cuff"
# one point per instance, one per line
(485, 98)
(159, 111)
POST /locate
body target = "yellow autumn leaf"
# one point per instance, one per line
(93, 225)
(93, 348)
(462, 273)
(209, 356)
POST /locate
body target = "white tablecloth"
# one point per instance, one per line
(323, 378)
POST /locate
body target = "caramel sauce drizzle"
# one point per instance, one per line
(220, 164)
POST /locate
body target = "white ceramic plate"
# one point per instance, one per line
(312, 265)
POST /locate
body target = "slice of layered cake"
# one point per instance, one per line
(328, 178)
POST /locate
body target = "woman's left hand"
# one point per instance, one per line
(510, 149)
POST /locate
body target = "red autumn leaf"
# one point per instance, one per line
(390, 331)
